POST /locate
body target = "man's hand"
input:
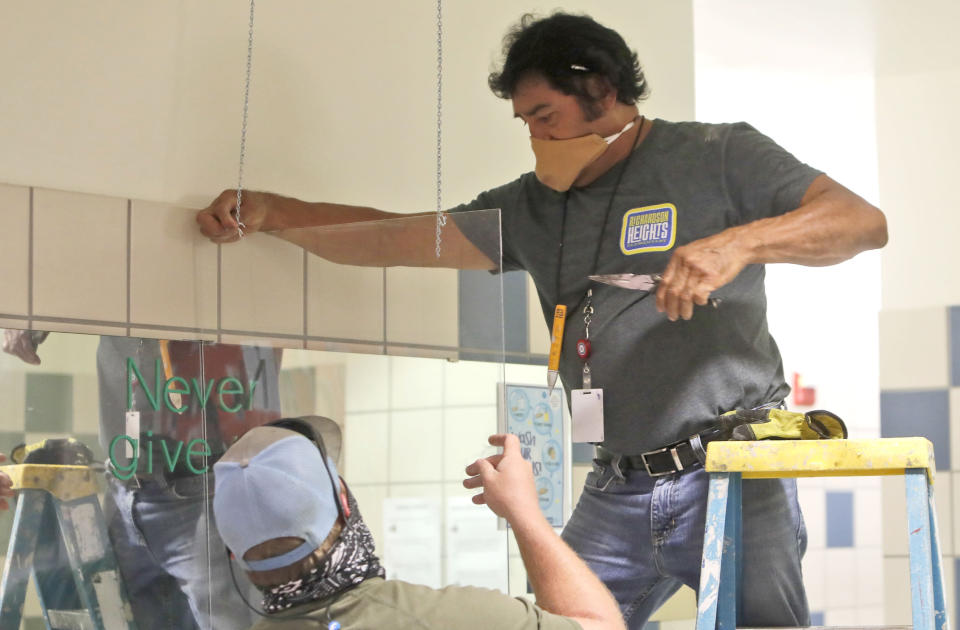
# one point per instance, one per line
(698, 269)
(218, 221)
(6, 486)
(506, 479)
(20, 344)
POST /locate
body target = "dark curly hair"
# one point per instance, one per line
(567, 50)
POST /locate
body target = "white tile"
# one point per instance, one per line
(370, 501)
(80, 256)
(14, 322)
(840, 617)
(293, 343)
(896, 591)
(118, 330)
(173, 268)
(86, 404)
(415, 443)
(813, 506)
(368, 382)
(869, 580)
(455, 490)
(465, 438)
(517, 577)
(518, 374)
(537, 331)
(422, 352)
(172, 335)
(337, 346)
(13, 394)
(870, 615)
(366, 447)
(680, 624)
(955, 426)
(415, 490)
(15, 249)
(842, 565)
(955, 532)
(894, 521)
(343, 301)
(913, 348)
(868, 508)
(943, 498)
(578, 478)
(815, 578)
(422, 306)
(471, 383)
(262, 286)
(415, 383)
(949, 578)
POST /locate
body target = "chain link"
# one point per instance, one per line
(243, 127)
(441, 217)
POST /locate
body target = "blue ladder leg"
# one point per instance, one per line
(730, 573)
(718, 568)
(919, 528)
(18, 565)
(939, 601)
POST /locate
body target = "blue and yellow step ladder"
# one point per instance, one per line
(730, 462)
(59, 538)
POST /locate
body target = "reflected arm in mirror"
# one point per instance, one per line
(349, 235)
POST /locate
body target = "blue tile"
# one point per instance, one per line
(651, 625)
(480, 315)
(582, 453)
(923, 413)
(816, 618)
(954, 334)
(840, 519)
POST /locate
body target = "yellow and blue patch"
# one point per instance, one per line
(649, 229)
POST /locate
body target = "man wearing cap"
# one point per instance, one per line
(701, 207)
(292, 523)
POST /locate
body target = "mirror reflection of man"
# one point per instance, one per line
(158, 502)
(614, 191)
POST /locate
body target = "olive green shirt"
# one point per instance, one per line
(379, 604)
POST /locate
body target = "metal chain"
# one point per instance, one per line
(243, 128)
(441, 217)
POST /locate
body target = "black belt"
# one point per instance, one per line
(670, 459)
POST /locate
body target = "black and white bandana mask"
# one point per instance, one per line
(351, 561)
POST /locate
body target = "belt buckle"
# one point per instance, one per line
(666, 449)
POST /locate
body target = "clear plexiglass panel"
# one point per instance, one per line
(113, 438)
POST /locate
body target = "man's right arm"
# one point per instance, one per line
(369, 240)
(561, 581)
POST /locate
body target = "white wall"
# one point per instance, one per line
(805, 78)
(144, 100)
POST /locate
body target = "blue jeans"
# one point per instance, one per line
(173, 563)
(644, 538)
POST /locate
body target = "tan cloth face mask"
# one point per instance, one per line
(560, 162)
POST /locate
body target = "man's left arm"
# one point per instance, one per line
(832, 224)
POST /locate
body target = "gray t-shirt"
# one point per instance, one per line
(662, 381)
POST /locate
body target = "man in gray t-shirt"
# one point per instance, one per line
(614, 192)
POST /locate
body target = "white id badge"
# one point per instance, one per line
(586, 409)
(133, 430)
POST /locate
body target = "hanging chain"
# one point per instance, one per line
(441, 217)
(243, 127)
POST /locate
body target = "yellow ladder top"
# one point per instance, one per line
(821, 458)
(64, 482)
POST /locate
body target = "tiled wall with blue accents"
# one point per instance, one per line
(920, 396)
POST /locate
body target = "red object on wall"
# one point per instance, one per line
(803, 396)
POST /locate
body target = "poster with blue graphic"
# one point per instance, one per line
(535, 415)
